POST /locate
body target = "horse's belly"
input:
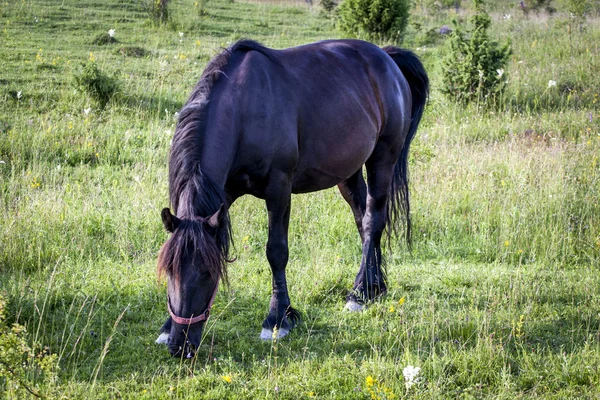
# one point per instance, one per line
(318, 170)
(312, 181)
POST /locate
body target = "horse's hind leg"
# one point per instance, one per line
(354, 192)
(370, 281)
(282, 317)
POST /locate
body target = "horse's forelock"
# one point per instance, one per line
(192, 236)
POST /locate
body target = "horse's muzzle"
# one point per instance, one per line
(185, 350)
(184, 344)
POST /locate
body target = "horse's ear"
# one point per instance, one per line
(170, 221)
(216, 219)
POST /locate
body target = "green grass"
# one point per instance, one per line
(498, 299)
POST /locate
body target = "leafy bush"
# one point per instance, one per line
(474, 67)
(375, 19)
(22, 368)
(96, 83)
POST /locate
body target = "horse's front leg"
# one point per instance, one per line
(282, 317)
(163, 338)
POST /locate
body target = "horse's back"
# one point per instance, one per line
(316, 110)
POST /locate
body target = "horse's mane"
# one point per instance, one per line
(187, 184)
(194, 195)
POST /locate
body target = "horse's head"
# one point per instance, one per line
(193, 259)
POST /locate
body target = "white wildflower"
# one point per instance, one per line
(506, 16)
(111, 32)
(176, 115)
(480, 73)
(551, 83)
(180, 34)
(500, 72)
(410, 375)
(86, 111)
(19, 95)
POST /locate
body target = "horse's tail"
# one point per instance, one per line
(413, 71)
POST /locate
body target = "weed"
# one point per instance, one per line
(24, 369)
(100, 86)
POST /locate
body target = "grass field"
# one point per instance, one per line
(499, 298)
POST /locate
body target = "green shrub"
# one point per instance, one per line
(96, 83)
(374, 19)
(22, 368)
(474, 67)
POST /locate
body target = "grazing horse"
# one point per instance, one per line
(270, 123)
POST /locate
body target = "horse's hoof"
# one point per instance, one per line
(353, 306)
(162, 338)
(267, 334)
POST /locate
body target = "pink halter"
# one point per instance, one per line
(192, 320)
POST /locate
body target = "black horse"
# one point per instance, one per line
(275, 122)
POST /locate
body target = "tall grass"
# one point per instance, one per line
(499, 297)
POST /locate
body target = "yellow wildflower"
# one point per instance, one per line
(227, 378)
(370, 381)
